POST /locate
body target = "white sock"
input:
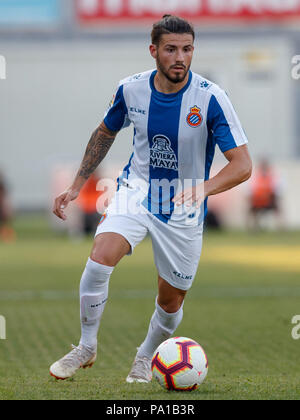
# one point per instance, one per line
(162, 326)
(93, 296)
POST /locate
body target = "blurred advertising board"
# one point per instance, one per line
(139, 11)
(29, 12)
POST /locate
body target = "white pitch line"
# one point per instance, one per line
(207, 292)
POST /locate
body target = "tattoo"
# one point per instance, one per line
(97, 148)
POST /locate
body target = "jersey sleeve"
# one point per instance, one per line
(116, 117)
(224, 123)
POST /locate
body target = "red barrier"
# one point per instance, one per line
(139, 11)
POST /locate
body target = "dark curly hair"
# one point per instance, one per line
(170, 24)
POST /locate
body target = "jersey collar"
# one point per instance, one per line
(170, 96)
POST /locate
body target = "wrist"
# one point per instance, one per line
(77, 185)
(73, 191)
(206, 189)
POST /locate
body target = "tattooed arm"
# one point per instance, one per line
(97, 148)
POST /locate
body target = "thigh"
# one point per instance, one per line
(176, 253)
(120, 229)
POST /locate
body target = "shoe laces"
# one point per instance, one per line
(78, 355)
(141, 365)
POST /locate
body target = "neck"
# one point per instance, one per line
(164, 85)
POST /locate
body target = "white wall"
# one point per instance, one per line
(56, 94)
(257, 77)
(53, 98)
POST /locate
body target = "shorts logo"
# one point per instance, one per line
(194, 118)
(161, 154)
(182, 276)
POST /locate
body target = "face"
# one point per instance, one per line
(174, 55)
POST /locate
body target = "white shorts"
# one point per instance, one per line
(176, 250)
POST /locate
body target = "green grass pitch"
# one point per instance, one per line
(239, 309)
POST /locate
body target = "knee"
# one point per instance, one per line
(169, 298)
(171, 306)
(109, 248)
(102, 257)
(102, 253)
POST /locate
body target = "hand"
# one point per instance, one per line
(62, 201)
(191, 196)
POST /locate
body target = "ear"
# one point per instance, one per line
(153, 50)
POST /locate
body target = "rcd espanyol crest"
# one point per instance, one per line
(161, 153)
(194, 118)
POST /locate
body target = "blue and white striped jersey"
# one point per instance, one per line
(174, 139)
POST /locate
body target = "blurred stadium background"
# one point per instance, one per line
(65, 58)
(62, 61)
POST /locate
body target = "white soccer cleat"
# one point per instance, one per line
(140, 371)
(79, 357)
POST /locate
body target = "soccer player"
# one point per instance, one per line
(264, 195)
(178, 118)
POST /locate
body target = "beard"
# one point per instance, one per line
(174, 79)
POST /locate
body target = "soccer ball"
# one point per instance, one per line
(179, 364)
